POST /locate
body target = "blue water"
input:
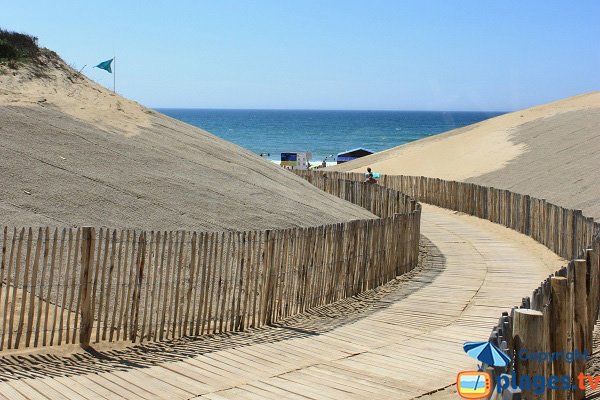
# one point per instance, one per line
(324, 133)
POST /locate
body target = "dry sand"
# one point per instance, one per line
(54, 83)
(549, 151)
(73, 153)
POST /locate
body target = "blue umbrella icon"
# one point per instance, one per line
(487, 353)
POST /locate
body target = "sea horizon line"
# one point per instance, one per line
(328, 110)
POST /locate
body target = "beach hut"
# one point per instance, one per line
(352, 154)
(297, 160)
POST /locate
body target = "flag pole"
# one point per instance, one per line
(115, 74)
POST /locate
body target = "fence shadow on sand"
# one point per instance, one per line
(317, 321)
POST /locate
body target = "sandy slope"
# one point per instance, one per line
(550, 151)
(73, 153)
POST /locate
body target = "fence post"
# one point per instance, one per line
(559, 322)
(581, 329)
(88, 239)
(594, 279)
(529, 333)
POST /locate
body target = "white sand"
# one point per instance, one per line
(74, 95)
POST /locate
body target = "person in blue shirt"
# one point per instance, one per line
(369, 176)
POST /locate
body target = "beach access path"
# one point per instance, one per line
(408, 346)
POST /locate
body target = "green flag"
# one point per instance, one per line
(105, 65)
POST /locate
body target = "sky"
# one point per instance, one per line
(466, 55)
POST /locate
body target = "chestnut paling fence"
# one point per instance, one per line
(560, 315)
(87, 285)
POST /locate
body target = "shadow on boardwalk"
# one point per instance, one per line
(315, 322)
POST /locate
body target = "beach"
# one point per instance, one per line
(323, 133)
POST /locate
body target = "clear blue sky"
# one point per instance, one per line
(375, 54)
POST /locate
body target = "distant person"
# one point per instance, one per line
(323, 164)
(369, 176)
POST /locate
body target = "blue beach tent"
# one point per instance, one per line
(352, 154)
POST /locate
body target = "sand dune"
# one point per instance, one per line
(550, 151)
(73, 153)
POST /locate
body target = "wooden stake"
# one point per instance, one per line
(87, 254)
(528, 333)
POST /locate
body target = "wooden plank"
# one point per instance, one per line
(184, 282)
(217, 285)
(82, 390)
(53, 389)
(6, 316)
(123, 287)
(103, 284)
(166, 299)
(91, 283)
(257, 252)
(32, 288)
(88, 244)
(223, 272)
(559, 340)
(139, 277)
(270, 243)
(61, 278)
(110, 298)
(275, 255)
(582, 329)
(245, 306)
(178, 271)
(210, 285)
(228, 265)
(281, 274)
(191, 286)
(196, 301)
(302, 263)
(162, 304)
(118, 290)
(75, 310)
(26, 285)
(149, 254)
(238, 281)
(206, 243)
(154, 296)
(129, 271)
(8, 392)
(50, 286)
(43, 281)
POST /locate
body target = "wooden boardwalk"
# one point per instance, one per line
(408, 347)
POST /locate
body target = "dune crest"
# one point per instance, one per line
(551, 151)
(52, 83)
(470, 151)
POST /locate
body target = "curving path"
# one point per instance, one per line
(408, 347)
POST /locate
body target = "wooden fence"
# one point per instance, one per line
(565, 231)
(87, 285)
(560, 315)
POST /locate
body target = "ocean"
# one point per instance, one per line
(323, 133)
